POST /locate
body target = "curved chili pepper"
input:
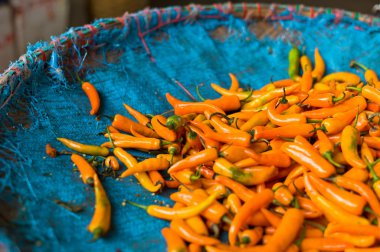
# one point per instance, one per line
(326, 148)
(310, 210)
(287, 231)
(307, 156)
(290, 131)
(305, 63)
(353, 229)
(149, 164)
(158, 123)
(244, 163)
(283, 120)
(101, 220)
(362, 123)
(373, 107)
(258, 119)
(192, 141)
(258, 201)
(273, 157)
(360, 188)
(93, 97)
(135, 142)
(226, 102)
(185, 232)
(207, 142)
(319, 68)
(356, 240)
(240, 190)
(282, 194)
(272, 218)
(156, 178)
(86, 170)
(349, 145)
(233, 153)
(325, 100)
(324, 244)
(373, 142)
(185, 176)
(219, 188)
(142, 119)
(233, 203)
(123, 123)
(111, 162)
(201, 157)
(250, 237)
(236, 138)
(307, 78)
(369, 75)
(355, 103)
(337, 123)
(182, 108)
(342, 77)
(168, 213)
(198, 225)
(348, 201)
(297, 185)
(294, 61)
(248, 176)
(332, 212)
(269, 96)
(215, 212)
(234, 82)
(83, 148)
(174, 242)
(244, 95)
(220, 126)
(129, 161)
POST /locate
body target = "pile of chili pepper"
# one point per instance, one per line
(293, 166)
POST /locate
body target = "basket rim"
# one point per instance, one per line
(19, 70)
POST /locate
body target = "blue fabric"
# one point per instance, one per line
(52, 105)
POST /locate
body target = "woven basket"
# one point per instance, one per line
(135, 59)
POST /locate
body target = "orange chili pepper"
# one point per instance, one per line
(366, 154)
(84, 148)
(111, 129)
(86, 170)
(149, 164)
(156, 178)
(272, 157)
(307, 79)
(234, 82)
(283, 120)
(305, 63)
(244, 95)
(182, 108)
(370, 75)
(101, 220)
(342, 77)
(373, 142)
(50, 151)
(158, 124)
(111, 162)
(135, 142)
(220, 126)
(326, 148)
(193, 161)
(135, 133)
(297, 185)
(272, 218)
(93, 96)
(250, 237)
(240, 190)
(192, 141)
(207, 142)
(332, 212)
(319, 68)
(356, 240)
(360, 188)
(371, 93)
(129, 161)
(206, 172)
(185, 232)
(362, 123)
(375, 249)
(357, 173)
(142, 119)
(307, 156)
(123, 123)
(174, 242)
(324, 100)
(348, 201)
(325, 244)
(310, 210)
(287, 231)
(353, 229)
(356, 103)
(226, 102)
(253, 205)
(282, 194)
(185, 176)
(194, 247)
(198, 225)
(373, 107)
(244, 163)
(233, 203)
(349, 145)
(233, 153)
(337, 123)
(290, 131)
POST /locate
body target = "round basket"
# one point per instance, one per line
(136, 59)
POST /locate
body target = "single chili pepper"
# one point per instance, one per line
(192, 141)
(112, 129)
(370, 75)
(142, 119)
(305, 63)
(357, 173)
(185, 232)
(173, 241)
(216, 212)
(219, 188)
(233, 153)
(325, 100)
(156, 178)
(272, 218)
(93, 97)
(183, 108)
(355, 103)
(348, 201)
(136, 142)
(342, 77)
(337, 123)
(374, 249)
(149, 164)
(332, 212)
(185, 176)
(349, 145)
(172, 183)
(283, 120)
(83, 148)
(324, 244)
(220, 126)
(205, 141)
(373, 142)
(360, 188)
(233, 203)
(251, 206)
(135, 133)
(326, 148)
(86, 170)
(297, 186)
(296, 171)
(111, 162)
(244, 163)
(123, 123)
(373, 107)
(307, 156)
(206, 172)
(240, 190)
(50, 150)
(273, 157)
(241, 95)
(356, 240)
(250, 237)
(198, 225)
(195, 160)
(319, 68)
(234, 82)
(129, 161)
(362, 123)
(236, 138)
(251, 176)
(290, 131)
(282, 194)
(269, 96)
(168, 213)
(158, 124)
(226, 102)
(307, 79)
(310, 210)
(353, 229)
(294, 61)
(101, 220)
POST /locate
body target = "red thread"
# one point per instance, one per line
(178, 17)
(159, 17)
(244, 6)
(104, 25)
(42, 53)
(16, 70)
(141, 35)
(311, 12)
(258, 5)
(92, 29)
(185, 89)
